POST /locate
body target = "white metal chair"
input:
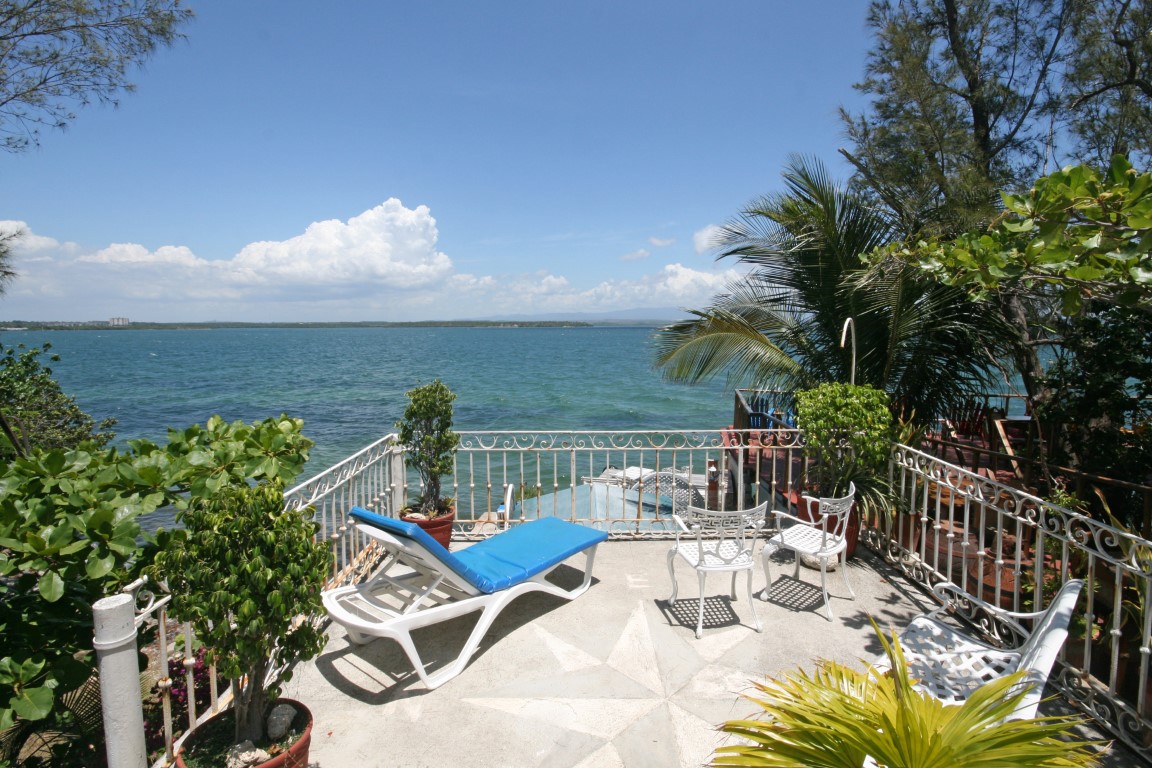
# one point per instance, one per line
(823, 538)
(710, 540)
(950, 664)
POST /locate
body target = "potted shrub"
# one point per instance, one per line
(426, 433)
(247, 574)
(848, 431)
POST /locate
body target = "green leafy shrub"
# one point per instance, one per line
(36, 411)
(247, 573)
(848, 434)
(426, 432)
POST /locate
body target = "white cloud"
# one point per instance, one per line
(389, 246)
(382, 264)
(661, 242)
(705, 239)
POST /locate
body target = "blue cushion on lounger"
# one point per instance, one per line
(505, 559)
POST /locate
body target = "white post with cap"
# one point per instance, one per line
(116, 654)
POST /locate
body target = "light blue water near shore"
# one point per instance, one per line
(348, 384)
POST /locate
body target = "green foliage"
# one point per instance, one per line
(1075, 233)
(38, 412)
(959, 97)
(1102, 414)
(848, 434)
(848, 431)
(781, 326)
(426, 432)
(247, 574)
(69, 531)
(837, 716)
(61, 53)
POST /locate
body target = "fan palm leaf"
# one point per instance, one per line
(780, 326)
(836, 717)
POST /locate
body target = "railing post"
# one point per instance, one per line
(399, 479)
(116, 654)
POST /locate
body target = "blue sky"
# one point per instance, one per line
(294, 160)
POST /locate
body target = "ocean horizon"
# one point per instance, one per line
(349, 384)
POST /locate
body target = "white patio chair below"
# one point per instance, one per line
(949, 663)
(823, 538)
(716, 541)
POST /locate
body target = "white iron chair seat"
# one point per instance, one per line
(803, 538)
(715, 555)
(950, 664)
(823, 538)
(713, 541)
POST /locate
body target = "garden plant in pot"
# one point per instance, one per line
(848, 433)
(426, 432)
(247, 574)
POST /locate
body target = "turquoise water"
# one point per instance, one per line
(348, 384)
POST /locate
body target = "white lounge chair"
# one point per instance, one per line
(950, 663)
(824, 540)
(420, 583)
(711, 541)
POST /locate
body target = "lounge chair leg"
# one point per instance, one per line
(733, 586)
(672, 574)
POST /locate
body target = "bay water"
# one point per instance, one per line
(349, 384)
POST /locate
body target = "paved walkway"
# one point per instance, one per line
(614, 678)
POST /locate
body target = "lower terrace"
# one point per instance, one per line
(617, 677)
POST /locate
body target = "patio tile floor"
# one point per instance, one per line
(614, 678)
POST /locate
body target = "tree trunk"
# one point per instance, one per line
(250, 702)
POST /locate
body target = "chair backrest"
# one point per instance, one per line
(1039, 651)
(731, 531)
(831, 515)
(674, 485)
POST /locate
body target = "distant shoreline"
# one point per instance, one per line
(21, 325)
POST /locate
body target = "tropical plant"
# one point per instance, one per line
(69, 532)
(247, 574)
(426, 433)
(36, 411)
(1078, 233)
(837, 717)
(848, 433)
(781, 326)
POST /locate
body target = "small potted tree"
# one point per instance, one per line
(247, 574)
(848, 432)
(426, 433)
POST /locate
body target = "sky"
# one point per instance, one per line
(296, 161)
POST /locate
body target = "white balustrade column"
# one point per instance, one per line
(116, 654)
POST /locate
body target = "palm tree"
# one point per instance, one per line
(836, 717)
(927, 345)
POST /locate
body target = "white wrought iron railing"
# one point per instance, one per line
(995, 541)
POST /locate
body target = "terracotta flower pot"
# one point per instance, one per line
(296, 756)
(439, 528)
